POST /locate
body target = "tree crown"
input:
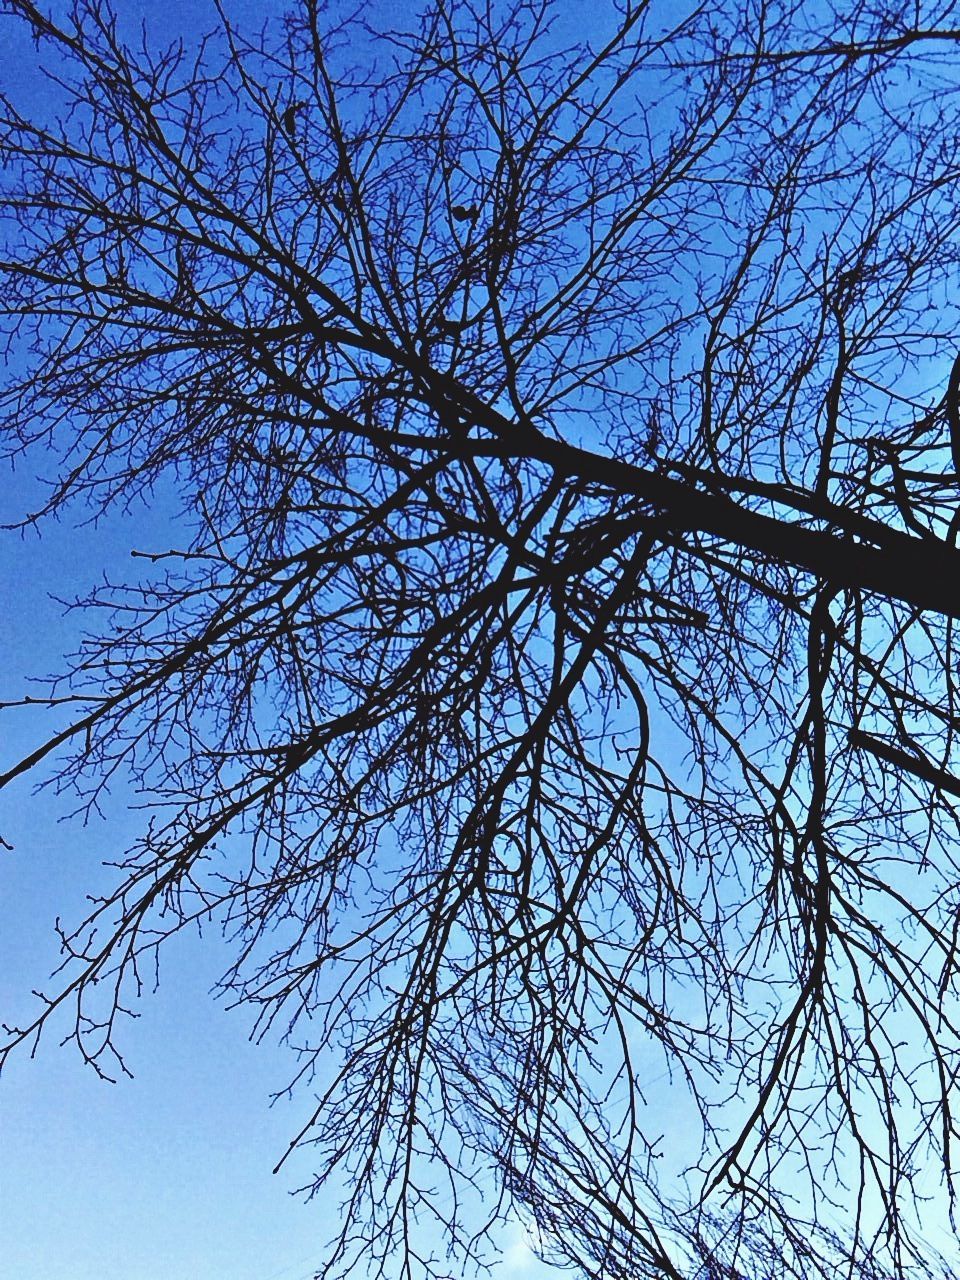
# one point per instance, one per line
(558, 663)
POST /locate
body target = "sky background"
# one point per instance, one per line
(166, 1176)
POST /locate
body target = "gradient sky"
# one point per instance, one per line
(166, 1176)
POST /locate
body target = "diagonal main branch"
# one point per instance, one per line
(922, 573)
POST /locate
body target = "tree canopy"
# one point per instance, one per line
(558, 668)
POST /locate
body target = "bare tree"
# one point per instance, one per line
(560, 662)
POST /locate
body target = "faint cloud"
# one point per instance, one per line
(518, 1255)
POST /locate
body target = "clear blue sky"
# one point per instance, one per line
(166, 1176)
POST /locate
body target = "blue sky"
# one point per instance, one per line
(167, 1175)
